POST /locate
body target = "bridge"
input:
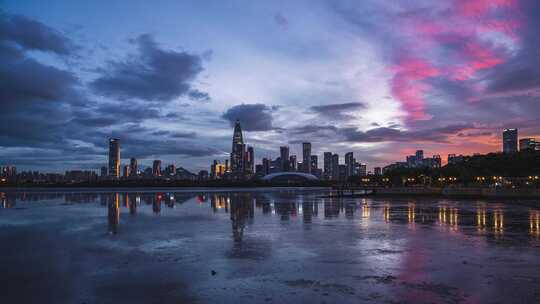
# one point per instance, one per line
(290, 177)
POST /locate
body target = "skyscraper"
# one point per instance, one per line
(284, 155)
(266, 163)
(103, 171)
(306, 153)
(349, 163)
(127, 170)
(133, 167)
(327, 165)
(114, 157)
(156, 168)
(238, 150)
(292, 163)
(314, 163)
(335, 167)
(250, 160)
(510, 140)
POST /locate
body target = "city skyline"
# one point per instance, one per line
(339, 75)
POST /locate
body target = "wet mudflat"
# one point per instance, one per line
(265, 246)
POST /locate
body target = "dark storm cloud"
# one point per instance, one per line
(338, 111)
(23, 78)
(153, 74)
(253, 117)
(175, 134)
(26, 80)
(35, 98)
(516, 80)
(523, 71)
(145, 148)
(109, 114)
(198, 95)
(33, 35)
(382, 134)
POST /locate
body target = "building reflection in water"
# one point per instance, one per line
(7, 200)
(498, 221)
(386, 212)
(308, 212)
(134, 200)
(481, 218)
(114, 213)
(411, 213)
(449, 217)
(534, 223)
(218, 202)
(242, 211)
(365, 209)
(156, 203)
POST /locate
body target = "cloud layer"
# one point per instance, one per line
(388, 78)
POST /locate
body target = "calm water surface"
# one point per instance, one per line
(265, 246)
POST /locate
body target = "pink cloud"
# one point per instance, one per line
(474, 8)
(478, 58)
(408, 88)
(466, 26)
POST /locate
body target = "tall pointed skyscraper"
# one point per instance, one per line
(238, 150)
(114, 157)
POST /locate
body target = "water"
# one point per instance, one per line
(265, 246)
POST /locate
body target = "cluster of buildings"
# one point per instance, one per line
(241, 164)
(115, 170)
(510, 142)
(10, 174)
(417, 161)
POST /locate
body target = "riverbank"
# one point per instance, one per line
(454, 192)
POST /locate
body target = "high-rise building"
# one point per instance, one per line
(377, 171)
(349, 163)
(217, 170)
(114, 157)
(510, 140)
(156, 168)
(306, 157)
(238, 150)
(250, 160)
(342, 173)
(335, 167)
(361, 169)
(170, 170)
(127, 171)
(314, 163)
(133, 167)
(454, 159)
(284, 156)
(266, 163)
(8, 171)
(327, 165)
(419, 155)
(103, 171)
(293, 165)
(528, 144)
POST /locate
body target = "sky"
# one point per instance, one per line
(378, 78)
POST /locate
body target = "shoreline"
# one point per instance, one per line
(457, 193)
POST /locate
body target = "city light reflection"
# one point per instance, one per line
(534, 223)
(498, 222)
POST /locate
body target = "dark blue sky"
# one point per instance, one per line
(379, 78)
